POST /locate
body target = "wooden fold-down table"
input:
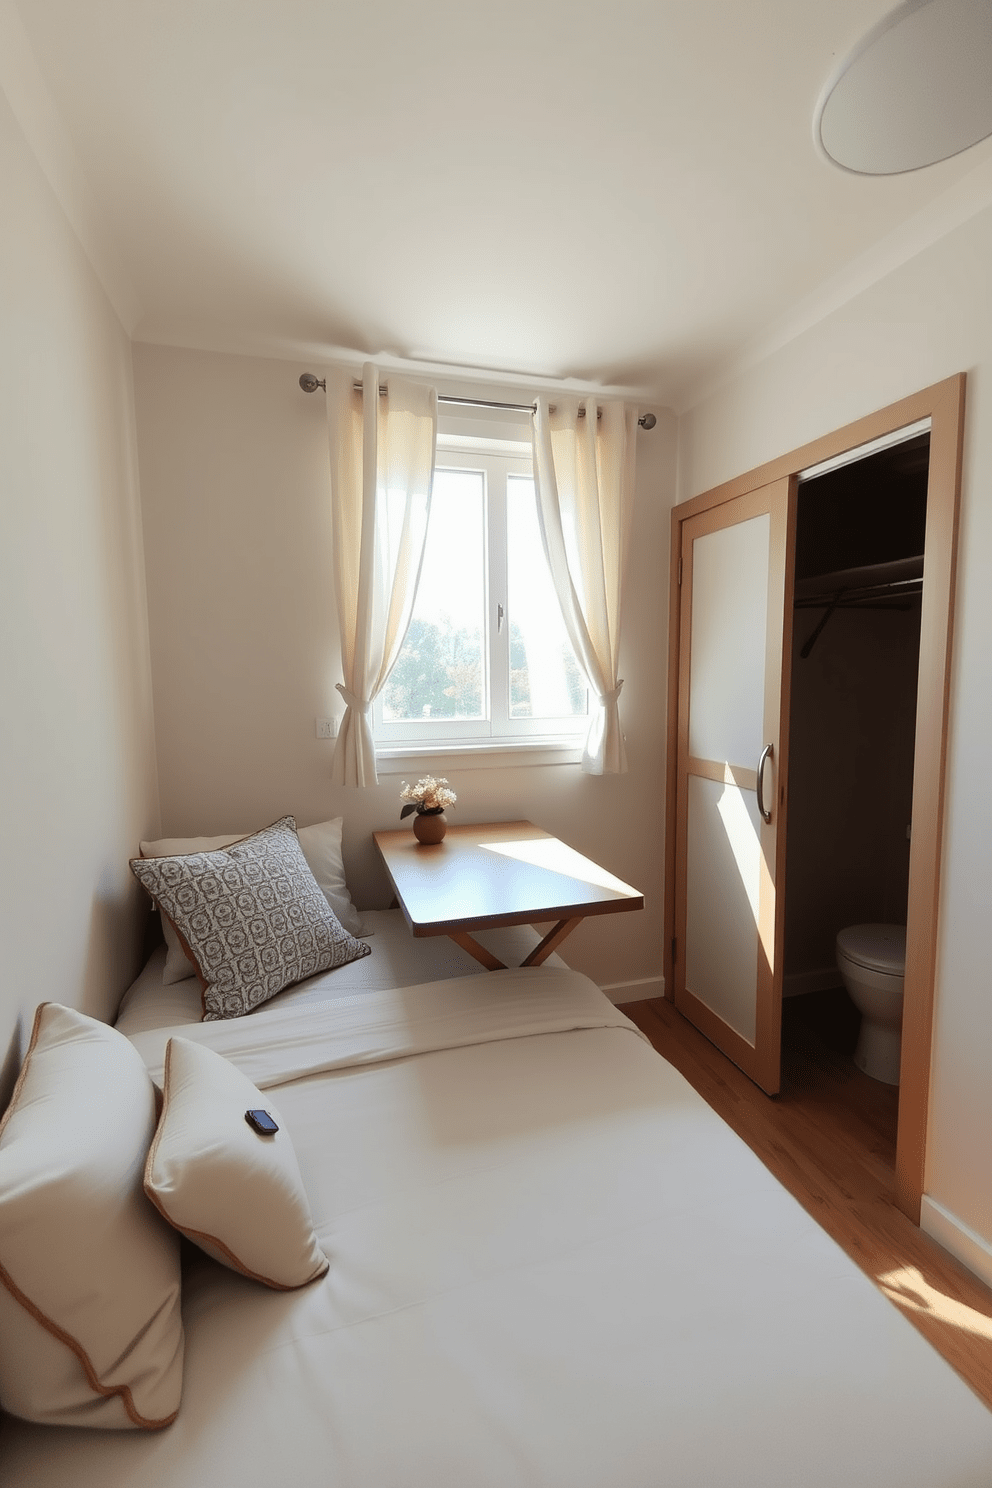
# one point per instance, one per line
(503, 873)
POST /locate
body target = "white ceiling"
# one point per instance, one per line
(625, 193)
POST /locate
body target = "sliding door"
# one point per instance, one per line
(735, 591)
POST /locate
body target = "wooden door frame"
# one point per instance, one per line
(943, 404)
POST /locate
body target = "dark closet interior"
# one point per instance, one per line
(859, 567)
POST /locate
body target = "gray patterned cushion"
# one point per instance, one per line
(251, 916)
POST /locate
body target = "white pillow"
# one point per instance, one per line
(90, 1328)
(236, 1194)
(321, 846)
(250, 916)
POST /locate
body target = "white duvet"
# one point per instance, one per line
(398, 959)
(551, 1264)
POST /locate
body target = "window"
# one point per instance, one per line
(486, 662)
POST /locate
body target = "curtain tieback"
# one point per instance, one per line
(352, 701)
(611, 697)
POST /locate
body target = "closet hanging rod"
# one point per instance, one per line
(863, 602)
(857, 588)
(856, 599)
(309, 383)
(863, 595)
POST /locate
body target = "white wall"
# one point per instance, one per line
(77, 784)
(930, 318)
(234, 480)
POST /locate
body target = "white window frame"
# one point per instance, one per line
(497, 739)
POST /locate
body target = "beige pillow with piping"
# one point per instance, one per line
(90, 1327)
(237, 1195)
(321, 844)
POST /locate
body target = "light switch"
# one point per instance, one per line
(327, 728)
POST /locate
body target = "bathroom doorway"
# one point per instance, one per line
(859, 559)
(773, 488)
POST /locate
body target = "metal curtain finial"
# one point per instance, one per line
(309, 383)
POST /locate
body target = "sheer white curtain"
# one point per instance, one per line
(584, 473)
(382, 468)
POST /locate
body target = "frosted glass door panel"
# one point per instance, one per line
(723, 882)
(728, 639)
(734, 606)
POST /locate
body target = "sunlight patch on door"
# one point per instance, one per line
(742, 835)
(723, 891)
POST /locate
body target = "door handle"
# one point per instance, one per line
(765, 754)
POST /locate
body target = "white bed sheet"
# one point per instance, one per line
(397, 959)
(551, 1264)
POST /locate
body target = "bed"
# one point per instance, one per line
(550, 1263)
(396, 959)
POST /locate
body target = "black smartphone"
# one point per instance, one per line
(262, 1122)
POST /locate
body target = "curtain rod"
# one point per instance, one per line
(309, 383)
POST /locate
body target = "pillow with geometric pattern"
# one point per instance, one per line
(321, 844)
(251, 917)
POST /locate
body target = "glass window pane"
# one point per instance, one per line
(440, 672)
(546, 681)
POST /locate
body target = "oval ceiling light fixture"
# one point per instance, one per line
(917, 89)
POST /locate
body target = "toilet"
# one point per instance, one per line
(872, 962)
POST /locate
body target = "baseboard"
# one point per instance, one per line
(636, 991)
(970, 1248)
(796, 983)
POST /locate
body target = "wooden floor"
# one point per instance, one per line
(830, 1139)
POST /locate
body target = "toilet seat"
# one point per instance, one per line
(879, 948)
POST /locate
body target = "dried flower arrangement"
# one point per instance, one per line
(427, 797)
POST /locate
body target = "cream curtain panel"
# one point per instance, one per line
(584, 473)
(382, 469)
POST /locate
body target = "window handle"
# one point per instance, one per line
(499, 619)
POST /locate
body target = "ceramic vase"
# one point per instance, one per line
(429, 827)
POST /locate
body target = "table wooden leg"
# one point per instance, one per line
(551, 942)
(488, 960)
